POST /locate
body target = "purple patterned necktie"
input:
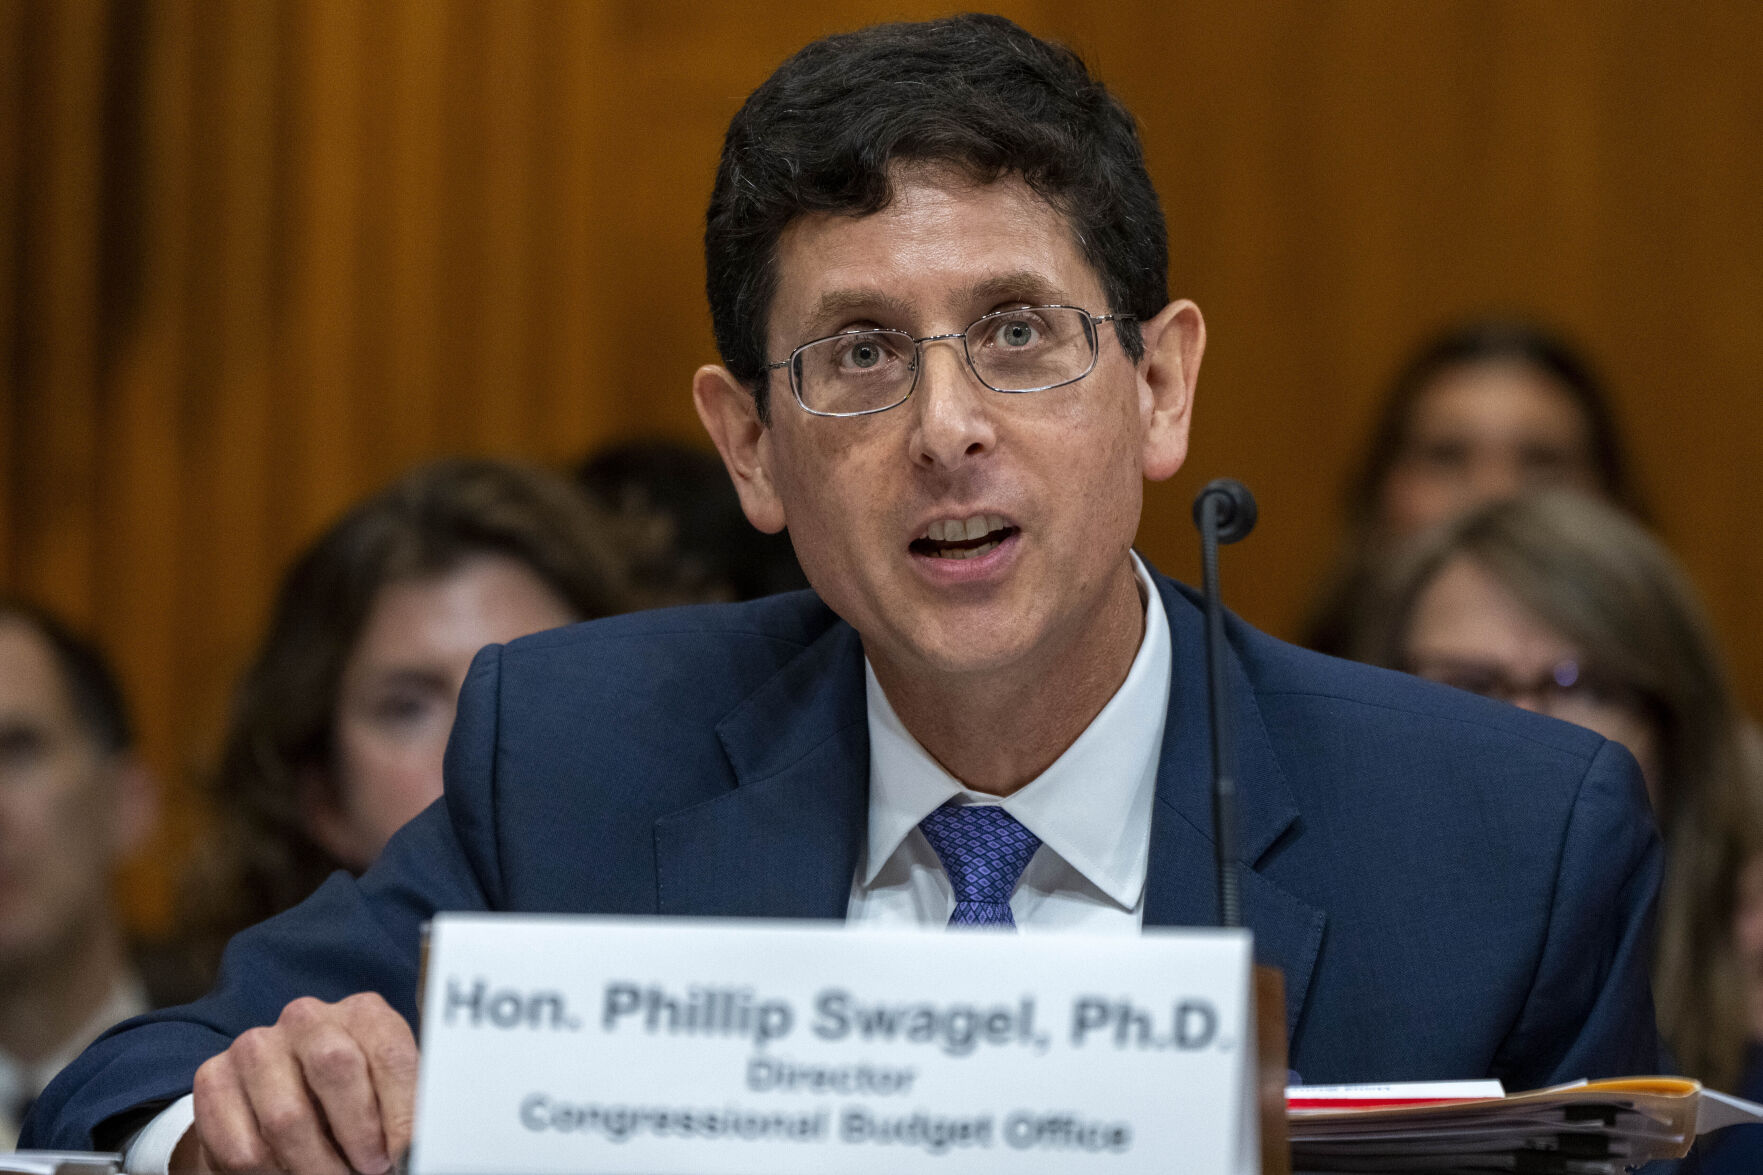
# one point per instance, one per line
(984, 851)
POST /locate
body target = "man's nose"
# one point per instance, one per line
(954, 410)
(1496, 477)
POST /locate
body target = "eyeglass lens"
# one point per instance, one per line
(1561, 690)
(1023, 350)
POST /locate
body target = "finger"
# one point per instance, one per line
(335, 1068)
(287, 1118)
(385, 1038)
(226, 1129)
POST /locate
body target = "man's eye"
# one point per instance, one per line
(1442, 455)
(863, 355)
(21, 745)
(1546, 464)
(1016, 333)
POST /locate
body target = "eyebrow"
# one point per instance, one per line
(409, 677)
(1019, 286)
(15, 727)
(836, 305)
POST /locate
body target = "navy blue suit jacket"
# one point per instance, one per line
(1453, 887)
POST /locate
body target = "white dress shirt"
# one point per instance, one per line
(1091, 810)
(20, 1080)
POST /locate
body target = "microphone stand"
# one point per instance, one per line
(1225, 513)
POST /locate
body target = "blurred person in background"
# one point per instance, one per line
(74, 802)
(339, 724)
(679, 524)
(1481, 412)
(1745, 1153)
(1562, 604)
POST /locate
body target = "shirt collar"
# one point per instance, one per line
(1092, 806)
(25, 1079)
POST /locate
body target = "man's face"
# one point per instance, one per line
(64, 814)
(1052, 479)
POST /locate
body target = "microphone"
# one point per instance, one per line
(1225, 513)
(1234, 505)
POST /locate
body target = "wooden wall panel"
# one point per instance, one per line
(259, 256)
(56, 410)
(12, 92)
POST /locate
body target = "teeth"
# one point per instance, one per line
(958, 530)
(965, 553)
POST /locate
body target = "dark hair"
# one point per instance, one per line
(91, 684)
(976, 93)
(1596, 576)
(279, 737)
(680, 525)
(1495, 340)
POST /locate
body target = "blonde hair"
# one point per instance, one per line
(1603, 582)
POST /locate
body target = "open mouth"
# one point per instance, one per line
(963, 538)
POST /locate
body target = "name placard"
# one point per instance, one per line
(619, 1046)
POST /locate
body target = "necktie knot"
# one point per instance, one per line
(984, 851)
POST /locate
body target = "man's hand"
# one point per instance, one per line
(330, 1089)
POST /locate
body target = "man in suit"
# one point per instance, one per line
(937, 274)
(74, 802)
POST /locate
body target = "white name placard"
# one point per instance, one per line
(618, 1046)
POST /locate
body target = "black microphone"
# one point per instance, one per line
(1225, 513)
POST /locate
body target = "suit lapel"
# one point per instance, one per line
(1182, 887)
(784, 842)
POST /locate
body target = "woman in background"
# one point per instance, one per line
(1564, 605)
(339, 724)
(1482, 412)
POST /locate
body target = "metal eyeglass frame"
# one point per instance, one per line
(1095, 320)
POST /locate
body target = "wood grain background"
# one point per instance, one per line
(259, 256)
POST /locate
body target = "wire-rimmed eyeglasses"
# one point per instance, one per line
(1023, 349)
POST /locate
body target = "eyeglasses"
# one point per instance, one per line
(1026, 349)
(1564, 690)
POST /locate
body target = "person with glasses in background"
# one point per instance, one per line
(1561, 604)
(950, 361)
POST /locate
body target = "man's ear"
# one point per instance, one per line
(1174, 342)
(732, 419)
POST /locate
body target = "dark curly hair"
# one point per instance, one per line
(976, 93)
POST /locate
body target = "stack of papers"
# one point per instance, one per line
(1588, 1128)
